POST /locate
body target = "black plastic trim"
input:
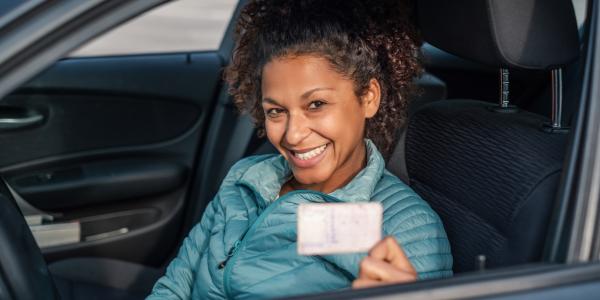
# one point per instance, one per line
(98, 182)
(471, 285)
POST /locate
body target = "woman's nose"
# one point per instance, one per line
(297, 129)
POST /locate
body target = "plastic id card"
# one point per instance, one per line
(331, 228)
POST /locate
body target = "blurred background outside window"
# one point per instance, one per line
(181, 26)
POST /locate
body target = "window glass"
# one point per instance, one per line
(580, 6)
(185, 25)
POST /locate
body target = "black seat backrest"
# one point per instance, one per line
(492, 176)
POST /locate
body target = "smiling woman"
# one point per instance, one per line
(315, 123)
(328, 82)
(365, 44)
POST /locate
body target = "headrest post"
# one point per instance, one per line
(555, 125)
(504, 99)
(504, 88)
(557, 95)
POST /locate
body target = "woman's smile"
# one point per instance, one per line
(308, 157)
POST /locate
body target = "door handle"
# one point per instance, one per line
(12, 118)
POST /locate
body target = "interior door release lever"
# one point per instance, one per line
(12, 117)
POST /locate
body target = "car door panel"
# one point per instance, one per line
(138, 230)
(81, 122)
(115, 150)
(97, 182)
(178, 75)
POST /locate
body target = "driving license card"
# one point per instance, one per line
(330, 228)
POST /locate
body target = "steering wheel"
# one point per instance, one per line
(23, 271)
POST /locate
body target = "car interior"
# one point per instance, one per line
(114, 158)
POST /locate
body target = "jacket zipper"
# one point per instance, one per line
(231, 255)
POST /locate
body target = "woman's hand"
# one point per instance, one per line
(385, 264)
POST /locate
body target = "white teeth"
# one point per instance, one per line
(310, 154)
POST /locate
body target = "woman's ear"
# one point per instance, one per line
(371, 98)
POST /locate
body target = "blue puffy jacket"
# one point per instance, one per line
(256, 236)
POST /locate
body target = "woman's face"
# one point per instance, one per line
(315, 120)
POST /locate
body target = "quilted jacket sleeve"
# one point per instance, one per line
(415, 226)
(420, 233)
(180, 275)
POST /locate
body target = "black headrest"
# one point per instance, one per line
(529, 34)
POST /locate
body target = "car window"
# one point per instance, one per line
(580, 6)
(186, 25)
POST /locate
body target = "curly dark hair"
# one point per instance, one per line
(361, 39)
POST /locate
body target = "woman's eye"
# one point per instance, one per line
(273, 112)
(316, 104)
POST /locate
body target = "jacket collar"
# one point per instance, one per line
(266, 178)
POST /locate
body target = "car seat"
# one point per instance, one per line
(491, 171)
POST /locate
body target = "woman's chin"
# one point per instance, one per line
(312, 177)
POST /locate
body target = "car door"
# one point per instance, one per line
(101, 152)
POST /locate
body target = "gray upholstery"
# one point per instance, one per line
(491, 177)
(431, 89)
(529, 34)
